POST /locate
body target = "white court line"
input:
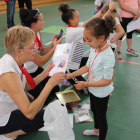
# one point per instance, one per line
(124, 38)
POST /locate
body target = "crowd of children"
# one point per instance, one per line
(100, 32)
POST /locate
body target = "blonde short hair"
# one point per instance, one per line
(17, 37)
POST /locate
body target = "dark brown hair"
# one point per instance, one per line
(28, 17)
(99, 27)
(67, 12)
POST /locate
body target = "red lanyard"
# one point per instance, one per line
(83, 37)
(39, 43)
(29, 79)
(90, 66)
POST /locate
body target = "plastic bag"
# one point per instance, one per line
(57, 121)
(85, 104)
(82, 115)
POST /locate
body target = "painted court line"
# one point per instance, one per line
(128, 62)
(51, 41)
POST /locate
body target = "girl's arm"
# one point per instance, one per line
(95, 16)
(112, 6)
(127, 9)
(100, 83)
(17, 94)
(81, 71)
(121, 32)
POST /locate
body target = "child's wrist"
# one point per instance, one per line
(85, 84)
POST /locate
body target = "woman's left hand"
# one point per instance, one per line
(46, 71)
(80, 85)
(55, 41)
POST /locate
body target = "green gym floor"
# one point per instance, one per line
(123, 113)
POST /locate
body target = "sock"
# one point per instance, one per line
(2, 137)
(90, 132)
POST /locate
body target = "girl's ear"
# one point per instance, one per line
(71, 21)
(102, 38)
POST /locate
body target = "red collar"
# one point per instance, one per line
(70, 25)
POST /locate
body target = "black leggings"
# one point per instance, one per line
(28, 4)
(99, 109)
(124, 24)
(18, 121)
(35, 93)
(78, 78)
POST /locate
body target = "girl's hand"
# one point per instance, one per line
(54, 38)
(68, 76)
(112, 6)
(112, 40)
(46, 71)
(80, 85)
(56, 79)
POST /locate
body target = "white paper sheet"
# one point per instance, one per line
(71, 119)
(85, 106)
(84, 118)
(60, 58)
(133, 25)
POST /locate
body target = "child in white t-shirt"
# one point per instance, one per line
(75, 34)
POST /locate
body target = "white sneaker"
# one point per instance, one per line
(65, 83)
(13, 138)
(2, 137)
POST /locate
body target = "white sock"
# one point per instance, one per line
(2, 137)
(90, 132)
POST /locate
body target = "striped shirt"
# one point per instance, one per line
(100, 2)
(75, 35)
(102, 68)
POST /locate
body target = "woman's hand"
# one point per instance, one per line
(112, 6)
(55, 41)
(80, 85)
(54, 38)
(46, 71)
(56, 79)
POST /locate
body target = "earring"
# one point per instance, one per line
(20, 57)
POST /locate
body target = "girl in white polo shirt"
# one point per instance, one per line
(75, 34)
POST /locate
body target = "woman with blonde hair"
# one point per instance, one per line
(17, 115)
